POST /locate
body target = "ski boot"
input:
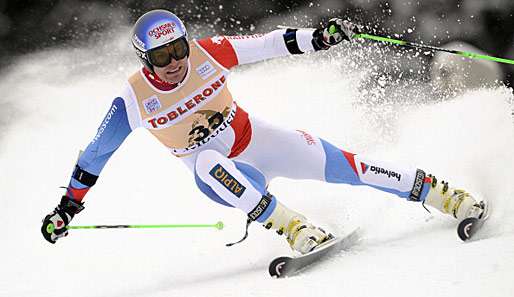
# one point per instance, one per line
(301, 235)
(455, 202)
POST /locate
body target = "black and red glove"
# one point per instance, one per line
(55, 223)
(336, 31)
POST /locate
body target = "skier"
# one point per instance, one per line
(181, 97)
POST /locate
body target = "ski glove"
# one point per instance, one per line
(55, 223)
(336, 31)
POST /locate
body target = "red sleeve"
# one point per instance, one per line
(221, 50)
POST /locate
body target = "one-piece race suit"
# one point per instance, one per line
(232, 155)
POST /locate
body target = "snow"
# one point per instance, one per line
(53, 109)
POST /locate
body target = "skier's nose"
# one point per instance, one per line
(173, 64)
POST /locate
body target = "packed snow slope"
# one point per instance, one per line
(53, 101)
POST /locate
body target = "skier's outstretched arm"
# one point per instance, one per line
(238, 50)
(113, 130)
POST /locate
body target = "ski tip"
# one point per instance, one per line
(467, 228)
(278, 267)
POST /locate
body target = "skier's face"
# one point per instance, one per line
(174, 72)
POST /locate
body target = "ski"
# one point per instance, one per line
(468, 227)
(287, 266)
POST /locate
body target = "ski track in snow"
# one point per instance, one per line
(58, 98)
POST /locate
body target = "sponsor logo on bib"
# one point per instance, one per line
(205, 70)
(187, 105)
(152, 104)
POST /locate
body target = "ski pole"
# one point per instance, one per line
(432, 48)
(219, 225)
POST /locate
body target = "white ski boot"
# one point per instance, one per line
(458, 203)
(301, 235)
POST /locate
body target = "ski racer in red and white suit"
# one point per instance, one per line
(233, 155)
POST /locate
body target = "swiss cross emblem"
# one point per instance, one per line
(217, 39)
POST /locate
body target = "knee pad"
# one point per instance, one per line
(206, 160)
(236, 184)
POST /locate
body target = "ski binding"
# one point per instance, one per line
(287, 266)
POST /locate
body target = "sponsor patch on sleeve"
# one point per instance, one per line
(227, 180)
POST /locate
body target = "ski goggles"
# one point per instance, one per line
(161, 56)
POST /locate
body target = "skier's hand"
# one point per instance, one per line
(55, 223)
(336, 31)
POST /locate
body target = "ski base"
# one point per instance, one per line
(288, 266)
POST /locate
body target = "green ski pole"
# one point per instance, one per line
(432, 48)
(219, 225)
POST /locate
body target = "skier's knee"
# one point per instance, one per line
(254, 176)
(206, 160)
